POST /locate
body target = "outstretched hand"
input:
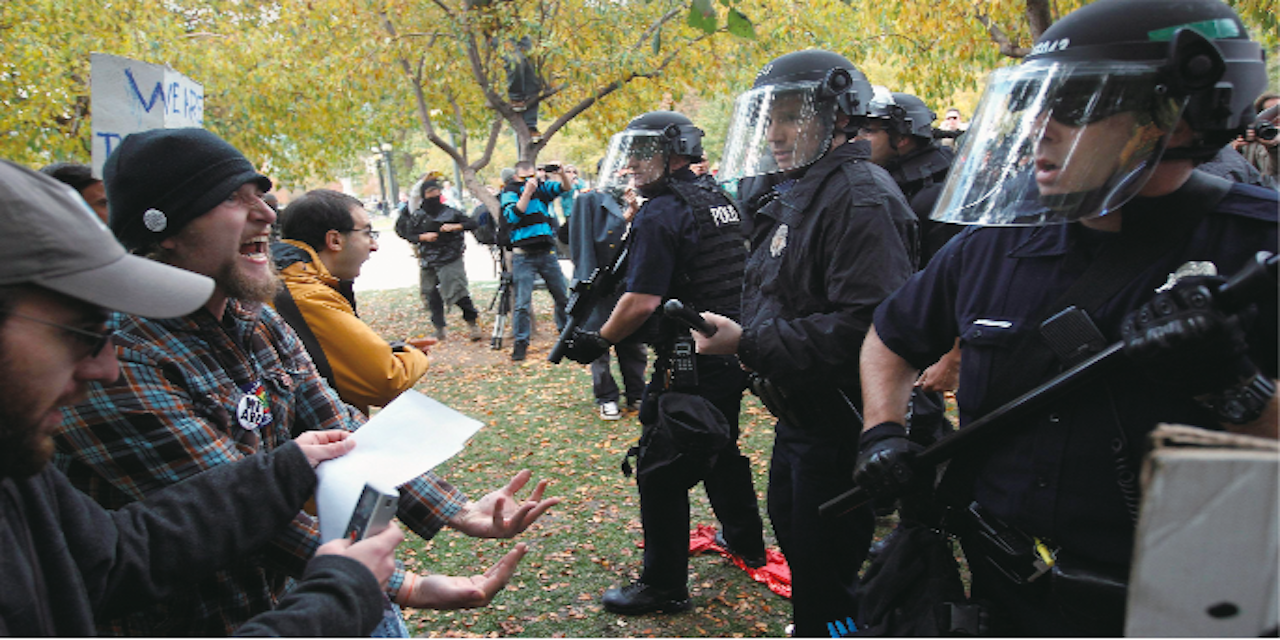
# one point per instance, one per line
(453, 592)
(499, 514)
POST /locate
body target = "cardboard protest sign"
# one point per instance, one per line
(130, 96)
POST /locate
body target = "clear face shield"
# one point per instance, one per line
(1056, 142)
(635, 158)
(776, 128)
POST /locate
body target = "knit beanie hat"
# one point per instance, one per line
(160, 180)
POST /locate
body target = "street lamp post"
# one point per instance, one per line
(391, 172)
(382, 186)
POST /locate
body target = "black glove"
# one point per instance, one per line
(1180, 338)
(583, 347)
(884, 462)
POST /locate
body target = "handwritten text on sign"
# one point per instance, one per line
(131, 96)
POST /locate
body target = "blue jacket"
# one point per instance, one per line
(532, 227)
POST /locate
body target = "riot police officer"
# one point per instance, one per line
(833, 237)
(1092, 141)
(899, 127)
(686, 243)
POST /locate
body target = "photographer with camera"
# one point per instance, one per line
(526, 202)
(1259, 143)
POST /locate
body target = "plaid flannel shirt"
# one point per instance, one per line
(178, 409)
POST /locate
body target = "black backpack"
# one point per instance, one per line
(486, 231)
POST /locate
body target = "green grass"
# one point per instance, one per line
(542, 417)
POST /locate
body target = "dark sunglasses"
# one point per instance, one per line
(1078, 103)
(93, 340)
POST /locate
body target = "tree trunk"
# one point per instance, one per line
(1039, 17)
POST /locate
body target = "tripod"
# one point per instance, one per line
(503, 298)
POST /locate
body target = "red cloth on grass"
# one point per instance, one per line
(775, 574)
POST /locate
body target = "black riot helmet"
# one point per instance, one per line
(1076, 130)
(645, 148)
(902, 114)
(786, 121)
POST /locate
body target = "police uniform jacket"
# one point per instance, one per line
(824, 253)
(920, 174)
(1055, 477)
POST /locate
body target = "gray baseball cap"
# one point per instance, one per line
(51, 238)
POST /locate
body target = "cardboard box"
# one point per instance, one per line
(1207, 555)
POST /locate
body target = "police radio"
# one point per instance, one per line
(683, 370)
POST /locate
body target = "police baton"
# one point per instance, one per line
(1255, 281)
(677, 311)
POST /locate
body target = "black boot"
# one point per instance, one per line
(638, 597)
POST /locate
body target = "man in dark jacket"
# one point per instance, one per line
(68, 560)
(833, 237)
(436, 231)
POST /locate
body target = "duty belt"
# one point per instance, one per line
(797, 407)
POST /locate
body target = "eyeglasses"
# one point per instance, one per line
(95, 341)
(368, 231)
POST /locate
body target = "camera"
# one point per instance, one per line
(373, 513)
(1264, 130)
(551, 168)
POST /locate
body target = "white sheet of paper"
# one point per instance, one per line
(409, 437)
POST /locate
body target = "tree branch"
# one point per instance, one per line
(489, 146)
(611, 87)
(919, 45)
(998, 36)
(423, 34)
(657, 24)
(424, 113)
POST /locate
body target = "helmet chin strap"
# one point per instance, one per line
(1067, 201)
(1198, 153)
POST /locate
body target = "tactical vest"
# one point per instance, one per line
(713, 282)
(921, 170)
